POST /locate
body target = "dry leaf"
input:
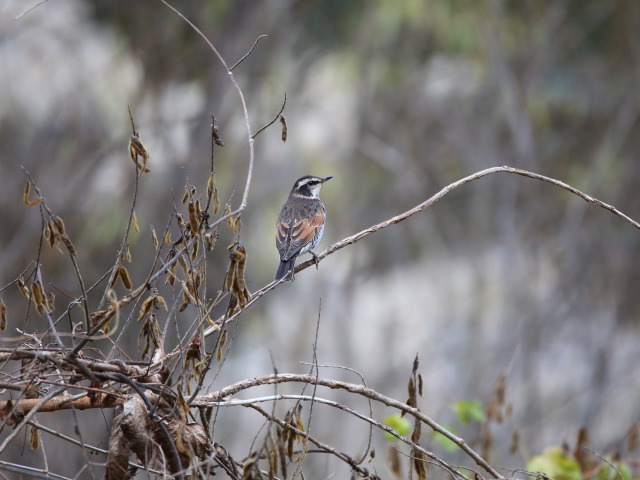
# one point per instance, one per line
(3, 316)
(283, 121)
(25, 196)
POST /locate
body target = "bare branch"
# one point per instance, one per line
(275, 119)
(249, 52)
(352, 388)
(427, 203)
(245, 195)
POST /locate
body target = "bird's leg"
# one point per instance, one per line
(315, 258)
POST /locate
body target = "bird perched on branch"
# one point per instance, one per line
(300, 223)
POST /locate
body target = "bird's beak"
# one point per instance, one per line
(326, 178)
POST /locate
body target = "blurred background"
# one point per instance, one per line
(395, 99)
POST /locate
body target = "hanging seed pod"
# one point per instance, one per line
(39, 297)
(138, 153)
(25, 196)
(3, 316)
(134, 222)
(283, 122)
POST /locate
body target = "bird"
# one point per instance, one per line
(300, 223)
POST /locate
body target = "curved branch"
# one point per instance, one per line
(369, 419)
(409, 213)
(427, 203)
(245, 111)
(352, 388)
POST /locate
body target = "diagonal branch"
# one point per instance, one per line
(427, 203)
(409, 213)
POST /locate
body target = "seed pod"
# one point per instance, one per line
(23, 288)
(283, 121)
(39, 297)
(154, 238)
(3, 316)
(134, 222)
(25, 196)
(194, 217)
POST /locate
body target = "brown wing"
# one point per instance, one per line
(294, 232)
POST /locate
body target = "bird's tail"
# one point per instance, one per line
(286, 268)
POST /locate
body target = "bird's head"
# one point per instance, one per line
(309, 186)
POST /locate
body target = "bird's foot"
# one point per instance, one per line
(315, 258)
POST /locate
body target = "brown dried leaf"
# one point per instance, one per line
(395, 465)
(150, 333)
(39, 297)
(67, 243)
(54, 236)
(123, 274)
(62, 235)
(283, 122)
(194, 250)
(138, 153)
(3, 316)
(154, 238)
(411, 388)
(167, 238)
(23, 288)
(194, 218)
(160, 302)
(515, 442)
(185, 197)
(146, 307)
(210, 239)
(419, 464)
(34, 437)
(632, 437)
(211, 184)
(134, 222)
(237, 223)
(59, 225)
(25, 196)
(215, 137)
(487, 443)
(580, 453)
(51, 302)
(221, 343)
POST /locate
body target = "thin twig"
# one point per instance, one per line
(331, 403)
(28, 416)
(606, 461)
(249, 52)
(245, 111)
(275, 119)
(327, 448)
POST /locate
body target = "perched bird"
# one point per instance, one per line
(300, 223)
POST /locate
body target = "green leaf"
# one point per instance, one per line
(468, 411)
(554, 463)
(399, 424)
(446, 443)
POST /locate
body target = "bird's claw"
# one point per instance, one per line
(315, 258)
